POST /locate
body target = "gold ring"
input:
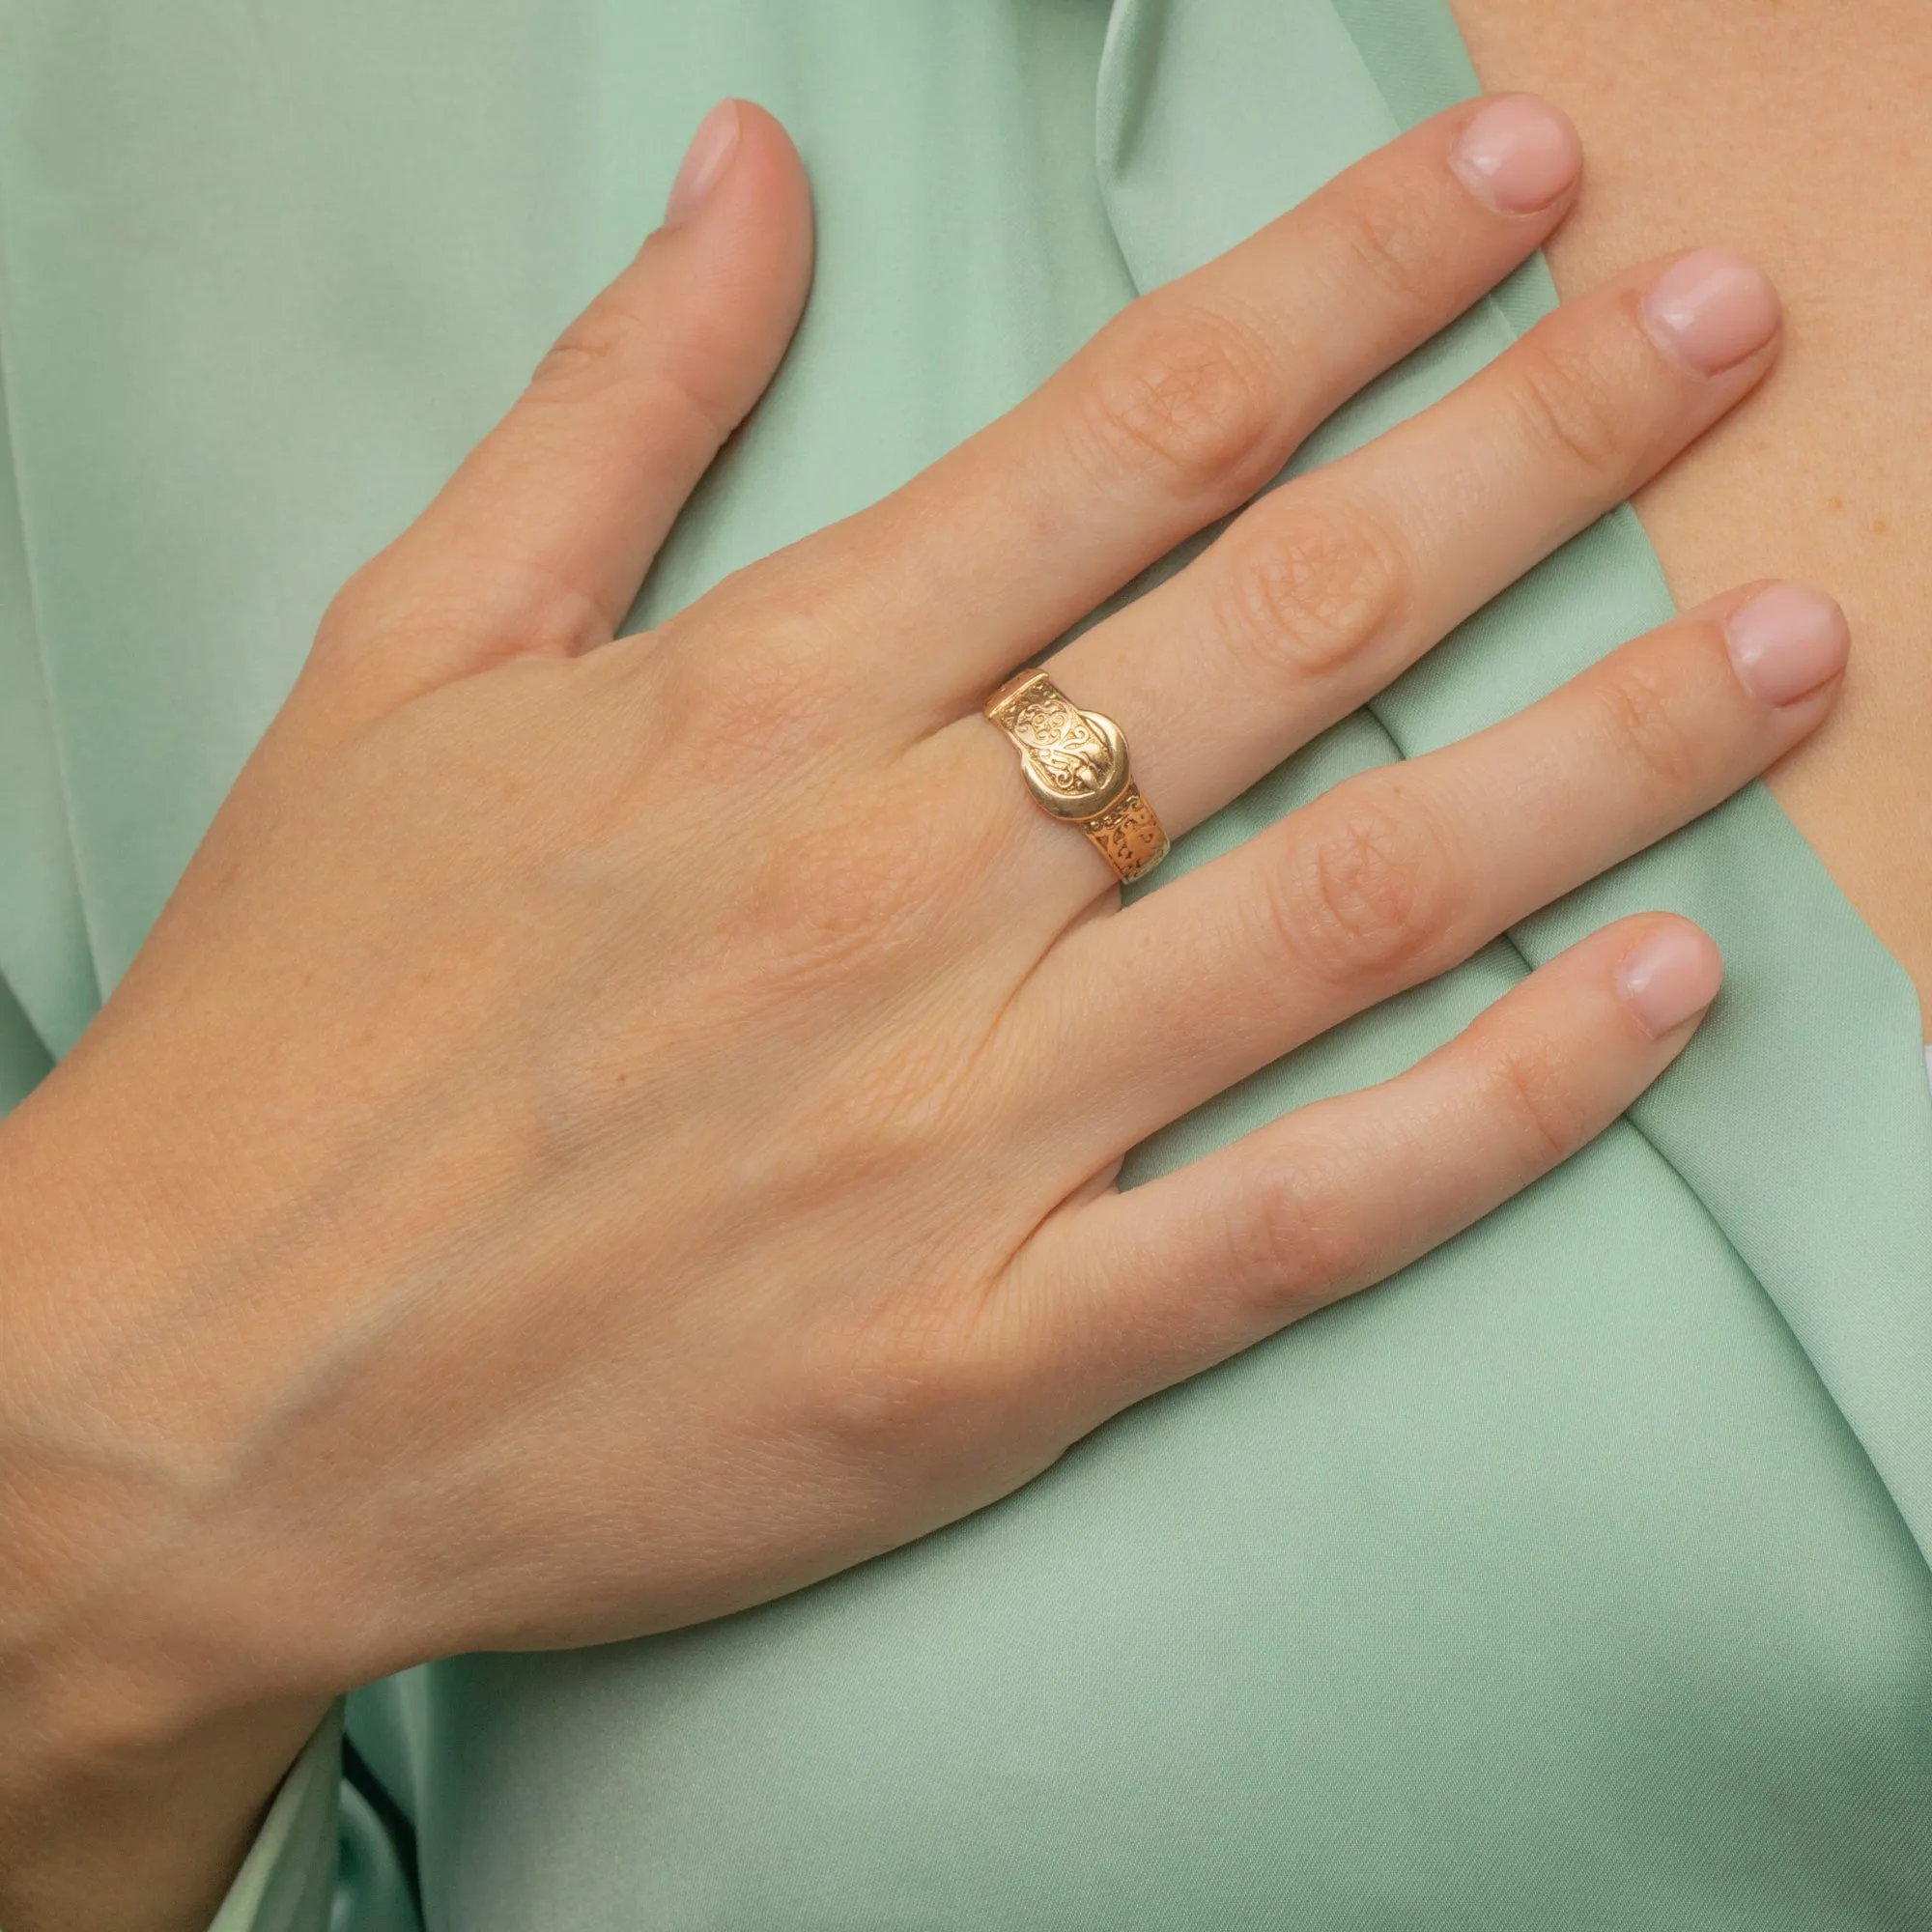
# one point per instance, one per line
(1076, 764)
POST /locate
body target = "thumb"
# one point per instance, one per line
(539, 542)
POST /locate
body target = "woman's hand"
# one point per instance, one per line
(608, 1132)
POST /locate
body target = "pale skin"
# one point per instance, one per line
(1795, 130)
(611, 1131)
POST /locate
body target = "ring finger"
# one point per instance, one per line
(1395, 877)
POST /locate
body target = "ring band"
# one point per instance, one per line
(1075, 765)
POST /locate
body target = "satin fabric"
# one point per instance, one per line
(1575, 1578)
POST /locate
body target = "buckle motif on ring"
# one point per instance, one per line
(1076, 764)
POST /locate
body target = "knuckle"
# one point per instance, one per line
(611, 347)
(1405, 259)
(361, 594)
(863, 889)
(912, 1375)
(357, 608)
(1184, 396)
(878, 1390)
(759, 700)
(1295, 1246)
(1646, 723)
(600, 346)
(1566, 401)
(1528, 1089)
(1371, 894)
(1303, 600)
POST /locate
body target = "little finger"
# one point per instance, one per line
(1128, 1293)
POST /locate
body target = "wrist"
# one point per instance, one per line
(113, 1833)
(145, 1718)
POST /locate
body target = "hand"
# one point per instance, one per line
(608, 1132)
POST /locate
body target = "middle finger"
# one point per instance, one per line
(1324, 593)
(1183, 406)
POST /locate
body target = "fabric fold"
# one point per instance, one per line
(46, 958)
(1806, 1085)
(1570, 1578)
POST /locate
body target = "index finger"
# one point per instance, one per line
(1192, 398)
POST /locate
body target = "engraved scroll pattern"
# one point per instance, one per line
(1060, 745)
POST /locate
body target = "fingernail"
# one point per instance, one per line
(1670, 976)
(1787, 641)
(1711, 310)
(1518, 154)
(704, 161)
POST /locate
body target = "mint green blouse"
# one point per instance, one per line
(1576, 1578)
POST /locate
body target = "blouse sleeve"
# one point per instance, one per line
(324, 1859)
(24, 1058)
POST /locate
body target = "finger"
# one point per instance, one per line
(1190, 400)
(539, 542)
(1201, 1263)
(1398, 874)
(1331, 586)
